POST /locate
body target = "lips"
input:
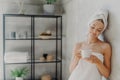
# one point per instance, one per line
(92, 34)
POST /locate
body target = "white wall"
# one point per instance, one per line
(77, 14)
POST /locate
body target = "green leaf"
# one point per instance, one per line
(50, 1)
(19, 72)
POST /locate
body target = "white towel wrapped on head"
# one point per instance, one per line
(103, 15)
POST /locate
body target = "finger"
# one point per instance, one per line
(77, 51)
(78, 54)
(92, 56)
(88, 59)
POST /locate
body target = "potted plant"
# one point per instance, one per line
(18, 74)
(48, 7)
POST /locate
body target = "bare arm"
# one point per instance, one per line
(105, 68)
(75, 57)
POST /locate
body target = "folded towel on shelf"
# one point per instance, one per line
(16, 54)
(16, 60)
(14, 57)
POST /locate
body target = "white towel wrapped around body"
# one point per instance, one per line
(86, 70)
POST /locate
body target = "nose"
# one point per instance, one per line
(94, 31)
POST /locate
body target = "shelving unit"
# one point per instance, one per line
(32, 43)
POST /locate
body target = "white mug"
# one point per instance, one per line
(86, 53)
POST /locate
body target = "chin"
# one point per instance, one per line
(93, 36)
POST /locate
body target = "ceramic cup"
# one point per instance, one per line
(86, 53)
(13, 35)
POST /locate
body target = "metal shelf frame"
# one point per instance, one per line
(33, 39)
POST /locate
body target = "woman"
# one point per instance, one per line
(99, 62)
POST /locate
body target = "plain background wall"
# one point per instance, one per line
(77, 14)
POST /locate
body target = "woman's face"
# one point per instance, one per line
(96, 27)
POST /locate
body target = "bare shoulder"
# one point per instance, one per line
(106, 45)
(106, 48)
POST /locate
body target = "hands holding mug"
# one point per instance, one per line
(93, 59)
(82, 53)
(86, 55)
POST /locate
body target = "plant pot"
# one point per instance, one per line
(18, 78)
(48, 8)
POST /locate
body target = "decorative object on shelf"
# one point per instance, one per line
(19, 73)
(49, 7)
(46, 77)
(42, 59)
(18, 78)
(21, 6)
(50, 57)
(23, 34)
(45, 35)
(45, 55)
(17, 35)
(13, 35)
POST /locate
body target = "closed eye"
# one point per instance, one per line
(99, 30)
(92, 27)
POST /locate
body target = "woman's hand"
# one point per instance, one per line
(93, 59)
(77, 53)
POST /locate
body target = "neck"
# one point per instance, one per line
(92, 40)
